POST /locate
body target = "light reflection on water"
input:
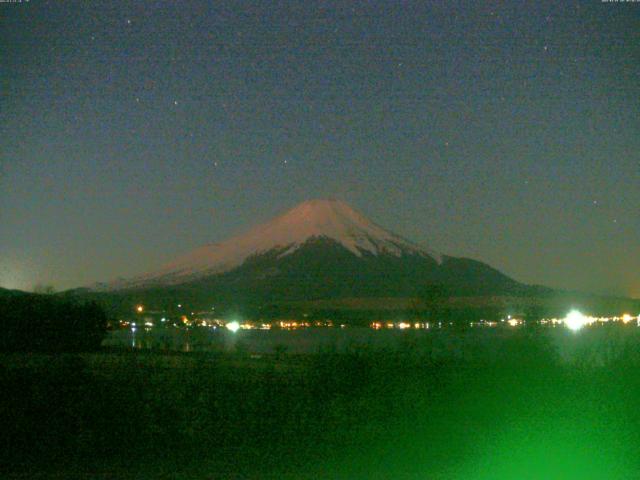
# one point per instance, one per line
(183, 340)
(596, 346)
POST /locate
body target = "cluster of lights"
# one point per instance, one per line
(574, 321)
(552, 321)
(234, 326)
(292, 324)
(400, 325)
(484, 323)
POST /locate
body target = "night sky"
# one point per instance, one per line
(135, 131)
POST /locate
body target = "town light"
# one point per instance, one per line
(139, 309)
(233, 326)
(575, 320)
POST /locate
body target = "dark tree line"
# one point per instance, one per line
(45, 323)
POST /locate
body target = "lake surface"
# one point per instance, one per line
(595, 345)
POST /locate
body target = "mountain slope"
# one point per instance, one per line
(324, 268)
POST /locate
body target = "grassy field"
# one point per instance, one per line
(521, 414)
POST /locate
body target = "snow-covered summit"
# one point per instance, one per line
(332, 219)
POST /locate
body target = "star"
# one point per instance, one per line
(128, 21)
(175, 102)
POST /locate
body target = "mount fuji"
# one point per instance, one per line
(313, 220)
(320, 249)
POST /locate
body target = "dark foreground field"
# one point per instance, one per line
(521, 414)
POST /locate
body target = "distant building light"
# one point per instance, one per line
(575, 320)
(139, 309)
(233, 326)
